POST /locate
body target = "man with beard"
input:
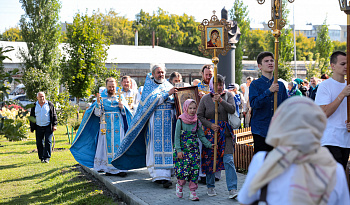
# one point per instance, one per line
(313, 87)
(102, 130)
(203, 86)
(149, 140)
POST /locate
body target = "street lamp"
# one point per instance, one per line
(345, 6)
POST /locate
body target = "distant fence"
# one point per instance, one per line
(243, 148)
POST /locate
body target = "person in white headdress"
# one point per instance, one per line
(298, 170)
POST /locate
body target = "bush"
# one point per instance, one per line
(15, 124)
(36, 80)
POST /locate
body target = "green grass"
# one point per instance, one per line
(25, 180)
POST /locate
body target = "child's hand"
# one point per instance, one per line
(180, 155)
(213, 146)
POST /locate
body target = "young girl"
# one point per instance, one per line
(186, 153)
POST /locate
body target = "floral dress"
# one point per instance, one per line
(188, 167)
(208, 154)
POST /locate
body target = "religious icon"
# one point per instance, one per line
(214, 37)
(182, 95)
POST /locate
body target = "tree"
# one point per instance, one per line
(101, 79)
(239, 13)
(36, 80)
(118, 28)
(339, 46)
(257, 42)
(86, 47)
(304, 46)
(285, 55)
(172, 31)
(40, 30)
(313, 67)
(324, 46)
(12, 34)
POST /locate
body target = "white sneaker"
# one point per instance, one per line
(193, 196)
(232, 194)
(179, 192)
(211, 192)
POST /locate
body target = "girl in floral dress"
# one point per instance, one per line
(186, 152)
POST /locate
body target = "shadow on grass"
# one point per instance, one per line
(17, 153)
(11, 166)
(39, 175)
(77, 190)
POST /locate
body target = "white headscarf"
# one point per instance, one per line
(295, 131)
(134, 84)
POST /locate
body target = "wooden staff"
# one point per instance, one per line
(348, 61)
(215, 60)
(276, 33)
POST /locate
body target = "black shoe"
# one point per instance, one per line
(203, 180)
(167, 184)
(160, 181)
(42, 160)
(122, 174)
(217, 179)
(110, 174)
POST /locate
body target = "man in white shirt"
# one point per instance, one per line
(46, 123)
(332, 97)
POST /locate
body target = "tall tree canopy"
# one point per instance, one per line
(239, 13)
(40, 30)
(118, 28)
(86, 47)
(324, 46)
(171, 31)
(12, 34)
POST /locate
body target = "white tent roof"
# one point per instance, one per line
(125, 54)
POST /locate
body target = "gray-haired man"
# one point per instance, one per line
(46, 123)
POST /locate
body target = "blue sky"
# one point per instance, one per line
(306, 11)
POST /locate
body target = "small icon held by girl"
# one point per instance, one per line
(186, 152)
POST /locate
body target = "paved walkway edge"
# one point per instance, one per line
(125, 195)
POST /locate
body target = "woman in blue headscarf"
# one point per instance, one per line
(293, 89)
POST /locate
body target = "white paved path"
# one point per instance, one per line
(137, 188)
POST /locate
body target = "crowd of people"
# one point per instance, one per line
(300, 150)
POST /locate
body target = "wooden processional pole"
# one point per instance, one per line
(276, 24)
(345, 6)
(215, 60)
(214, 43)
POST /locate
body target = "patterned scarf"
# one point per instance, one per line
(237, 99)
(295, 132)
(211, 86)
(292, 91)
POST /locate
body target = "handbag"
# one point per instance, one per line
(233, 119)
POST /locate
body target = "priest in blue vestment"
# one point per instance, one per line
(149, 139)
(102, 130)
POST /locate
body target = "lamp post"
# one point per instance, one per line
(345, 6)
(276, 24)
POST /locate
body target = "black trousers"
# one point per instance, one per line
(44, 141)
(260, 144)
(340, 154)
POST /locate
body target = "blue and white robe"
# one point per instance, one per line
(94, 149)
(149, 139)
